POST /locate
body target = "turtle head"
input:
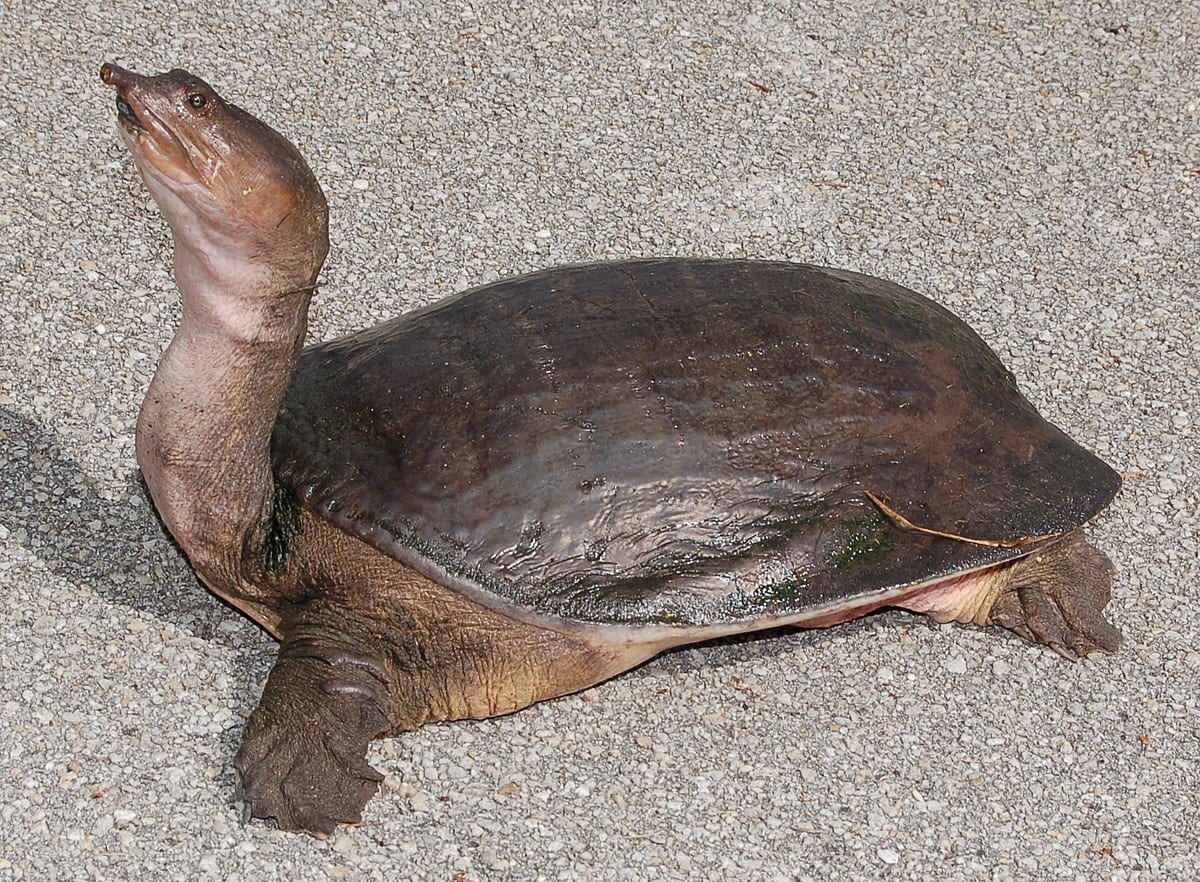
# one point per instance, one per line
(242, 203)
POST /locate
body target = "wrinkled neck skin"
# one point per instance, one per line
(203, 434)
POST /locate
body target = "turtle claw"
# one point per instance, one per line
(303, 758)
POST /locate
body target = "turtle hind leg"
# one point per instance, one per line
(1055, 596)
(303, 757)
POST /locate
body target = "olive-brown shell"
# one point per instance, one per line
(678, 442)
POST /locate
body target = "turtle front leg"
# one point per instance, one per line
(344, 678)
(303, 756)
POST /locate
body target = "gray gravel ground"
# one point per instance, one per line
(1034, 166)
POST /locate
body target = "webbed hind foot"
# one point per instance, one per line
(1057, 597)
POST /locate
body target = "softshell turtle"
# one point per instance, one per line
(532, 486)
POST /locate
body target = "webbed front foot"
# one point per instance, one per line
(303, 757)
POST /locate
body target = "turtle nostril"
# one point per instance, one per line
(115, 75)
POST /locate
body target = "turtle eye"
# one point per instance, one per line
(197, 100)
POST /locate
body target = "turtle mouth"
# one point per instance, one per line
(126, 114)
(151, 139)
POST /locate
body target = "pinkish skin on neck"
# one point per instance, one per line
(249, 227)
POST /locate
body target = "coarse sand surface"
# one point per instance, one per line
(1034, 166)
